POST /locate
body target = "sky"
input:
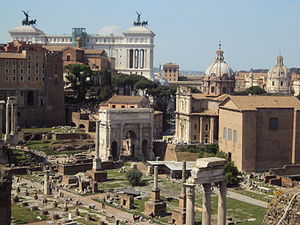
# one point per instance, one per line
(252, 32)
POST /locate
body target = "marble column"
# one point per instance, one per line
(211, 133)
(190, 204)
(206, 208)
(155, 191)
(97, 161)
(7, 121)
(222, 202)
(201, 130)
(13, 114)
(1, 119)
(46, 185)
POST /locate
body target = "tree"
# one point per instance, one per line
(134, 177)
(80, 78)
(255, 90)
(231, 173)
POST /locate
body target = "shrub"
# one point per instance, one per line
(134, 177)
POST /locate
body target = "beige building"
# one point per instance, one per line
(171, 71)
(123, 101)
(196, 117)
(260, 132)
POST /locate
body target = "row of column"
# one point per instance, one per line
(10, 118)
(206, 208)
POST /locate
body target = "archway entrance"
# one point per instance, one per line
(114, 150)
(129, 143)
(145, 149)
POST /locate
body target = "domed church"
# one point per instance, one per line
(219, 77)
(279, 78)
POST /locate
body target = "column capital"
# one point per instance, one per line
(190, 190)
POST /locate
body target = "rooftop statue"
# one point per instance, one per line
(138, 20)
(26, 21)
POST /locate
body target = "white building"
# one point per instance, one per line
(133, 51)
(279, 78)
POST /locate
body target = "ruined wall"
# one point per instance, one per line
(5, 197)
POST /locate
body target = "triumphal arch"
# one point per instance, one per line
(125, 133)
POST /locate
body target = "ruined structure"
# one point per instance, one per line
(208, 171)
(179, 214)
(126, 132)
(11, 121)
(5, 197)
(155, 206)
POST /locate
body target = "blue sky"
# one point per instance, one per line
(252, 32)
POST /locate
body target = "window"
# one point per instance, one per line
(14, 71)
(234, 136)
(212, 89)
(281, 83)
(206, 127)
(114, 106)
(21, 71)
(122, 106)
(6, 63)
(6, 71)
(68, 57)
(273, 124)
(13, 62)
(21, 63)
(224, 133)
(36, 79)
(206, 139)
(132, 106)
(229, 134)
(131, 58)
(224, 89)
(272, 83)
(195, 137)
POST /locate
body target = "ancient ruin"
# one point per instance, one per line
(208, 171)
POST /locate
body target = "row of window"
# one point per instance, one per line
(281, 83)
(24, 79)
(22, 71)
(227, 134)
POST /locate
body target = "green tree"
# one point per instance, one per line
(134, 177)
(80, 78)
(231, 173)
(255, 90)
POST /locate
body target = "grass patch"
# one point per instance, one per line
(22, 215)
(261, 197)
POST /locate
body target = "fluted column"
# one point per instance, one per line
(7, 121)
(97, 146)
(12, 118)
(182, 197)
(222, 203)
(190, 204)
(206, 208)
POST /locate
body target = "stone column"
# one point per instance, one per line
(97, 161)
(189, 131)
(211, 133)
(7, 120)
(1, 119)
(121, 138)
(182, 197)
(222, 203)
(13, 116)
(201, 130)
(108, 130)
(155, 190)
(206, 208)
(190, 204)
(46, 185)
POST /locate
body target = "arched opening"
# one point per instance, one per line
(129, 143)
(114, 150)
(30, 98)
(145, 149)
(68, 58)
(81, 126)
(72, 124)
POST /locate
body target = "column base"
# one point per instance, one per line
(158, 208)
(178, 217)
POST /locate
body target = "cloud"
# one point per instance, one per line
(109, 29)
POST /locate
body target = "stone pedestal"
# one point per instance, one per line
(126, 201)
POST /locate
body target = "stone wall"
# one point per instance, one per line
(63, 136)
(5, 197)
(276, 212)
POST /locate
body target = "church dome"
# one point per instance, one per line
(279, 70)
(219, 67)
(25, 29)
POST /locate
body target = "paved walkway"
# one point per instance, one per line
(244, 198)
